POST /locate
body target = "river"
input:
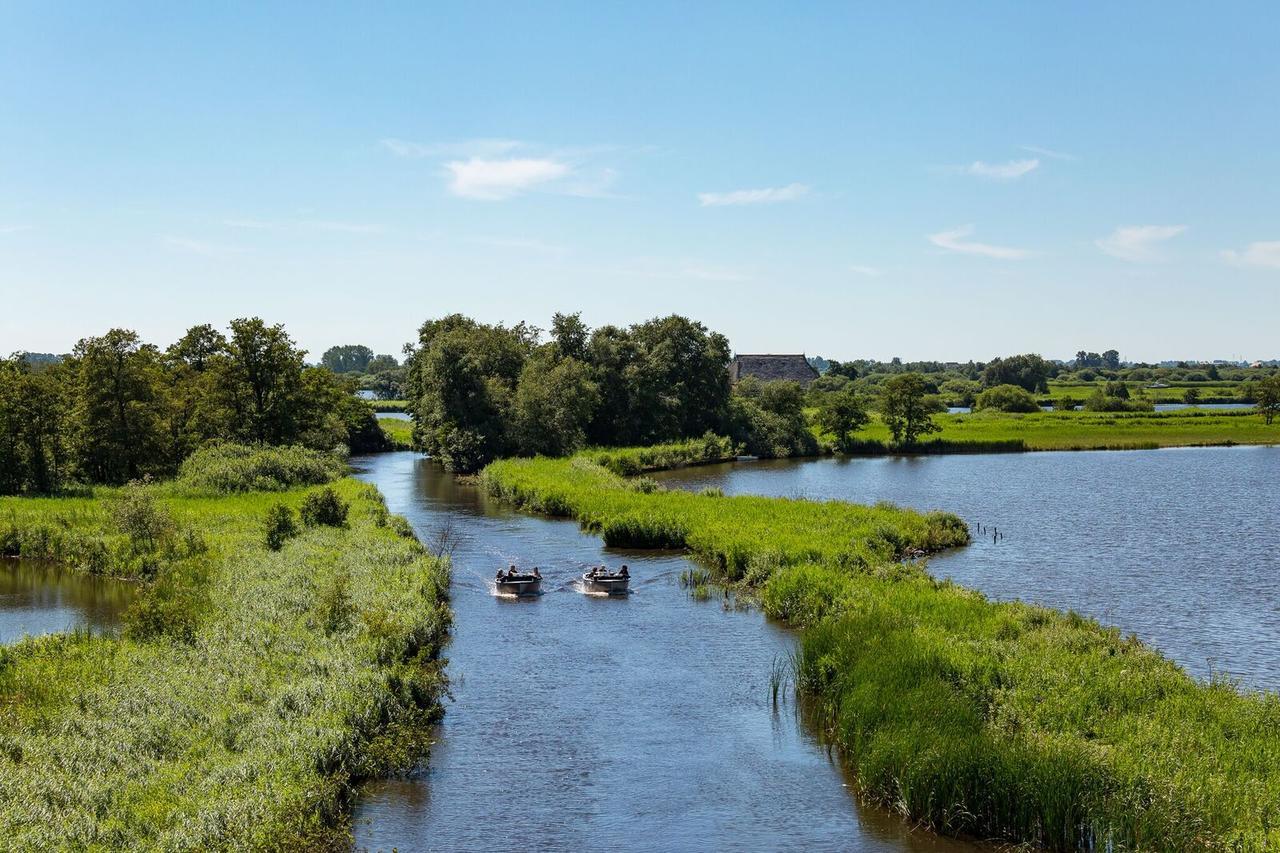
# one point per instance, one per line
(1178, 546)
(589, 723)
(41, 598)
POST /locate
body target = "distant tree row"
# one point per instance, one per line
(117, 408)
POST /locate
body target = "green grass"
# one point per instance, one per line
(399, 431)
(1001, 721)
(249, 690)
(390, 405)
(998, 431)
(660, 457)
(1216, 392)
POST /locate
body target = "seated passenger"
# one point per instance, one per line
(624, 573)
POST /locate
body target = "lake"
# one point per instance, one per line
(1178, 546)
(642, 722)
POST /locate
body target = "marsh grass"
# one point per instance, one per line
(398, 431)
(1000, 721)
(242, 721)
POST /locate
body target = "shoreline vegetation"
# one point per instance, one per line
(1001, 721)
(284, 645)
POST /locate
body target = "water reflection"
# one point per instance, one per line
(641, 722)
(41, 598)
(1176, 545)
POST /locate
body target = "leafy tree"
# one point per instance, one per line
(960, 392)
(1191, 397)
(1006, 398)
(554, 402)
(260, 381)
(33, 425)
(847, 369)
(198, 347)
(1267, 397)
(1028, 371)
(1212, 373)
(842, 414)
(350, 358)
(767, 419)
(281, 526)
(1111, 360)
(571, 335)
(905, 408)
(324, 507)
(380, 363)
(1119, 390)
(116, 407)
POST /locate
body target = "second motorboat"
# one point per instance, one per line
(600, 579)
(513, 582)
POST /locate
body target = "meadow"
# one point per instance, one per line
(1210, 392)
(998, 721)
(250, 687)
(1001, 431)
(398, 431)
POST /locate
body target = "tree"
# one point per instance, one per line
(905, 408)
(380, 363)
(554, 402)
(1006, 398)
(33, 423)
(1028, 371)
(847, 369)
(350, 358)
(1212, 373)
(198, 347)
(1267, 397)
(116, 387)
(1191, 397)
(570, 334)
(960, 392)
(842, 413)
(259, 381)
(767, 419)
(1111, 360)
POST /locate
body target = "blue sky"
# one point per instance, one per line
(918, 180)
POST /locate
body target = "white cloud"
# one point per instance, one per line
(492, 180)
(1010, 171)
(870, 272)
(953, 241)
(1139, 243)
(1049, 152)
(768, 195)
(1264, 254)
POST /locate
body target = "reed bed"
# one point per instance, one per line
(1006, 721)
(249, 690)
(628, 461)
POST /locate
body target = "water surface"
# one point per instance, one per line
(41, 598)
(598, 723)
(1179, 545)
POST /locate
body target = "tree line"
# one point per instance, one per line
(118, 409)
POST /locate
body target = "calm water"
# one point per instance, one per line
(1179, 546)
(590, 723)
(39, 598)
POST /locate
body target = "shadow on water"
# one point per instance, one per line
(585, 722)
(37, 597)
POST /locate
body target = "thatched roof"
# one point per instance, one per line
(771, 368)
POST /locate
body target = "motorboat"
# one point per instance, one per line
(512, 582)
(600, 579)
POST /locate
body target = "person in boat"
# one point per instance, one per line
(624, 573)
(511, 572)
(595, 570)
(537, 574)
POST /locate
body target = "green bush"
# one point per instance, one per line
(224, 469)
(1006, 398)
(324, 507)
(281, 526)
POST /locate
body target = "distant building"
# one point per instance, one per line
(772, 368)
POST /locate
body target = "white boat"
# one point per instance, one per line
(520, 583)
(603, 580)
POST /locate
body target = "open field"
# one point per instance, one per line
(250, 688)
(399, 431)
(1085, 431)
(1000, 721)
(1210, 392)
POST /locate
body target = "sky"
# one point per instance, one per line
(922, 180)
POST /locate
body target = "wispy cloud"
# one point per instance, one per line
(953, 240)
(466, 148)
(493, 180)
(201, 247)
(1139, 244)
(304, 224)
(768, 195)
(1265, 254)
(1009, 171)
(1049, 152)
(870, 272)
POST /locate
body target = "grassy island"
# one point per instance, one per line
(998, 721)
(248, 689)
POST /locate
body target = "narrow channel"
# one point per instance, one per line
(38, 597)
(588, 723)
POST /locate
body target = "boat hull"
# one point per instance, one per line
(612, 586)
(519, 587)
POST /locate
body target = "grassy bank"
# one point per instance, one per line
(629, 461)
(389, 405)
(1001, 721)
(249, 689)
(398, 431)
(985, 432)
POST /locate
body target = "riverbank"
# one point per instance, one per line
(1002, 721)
(399, 432)
(249, 688)
(996, 432)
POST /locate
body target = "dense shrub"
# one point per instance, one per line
(281, 526)
(1006, 398)
(324, 507)
(226, 468)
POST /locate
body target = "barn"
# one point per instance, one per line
(772, 368)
